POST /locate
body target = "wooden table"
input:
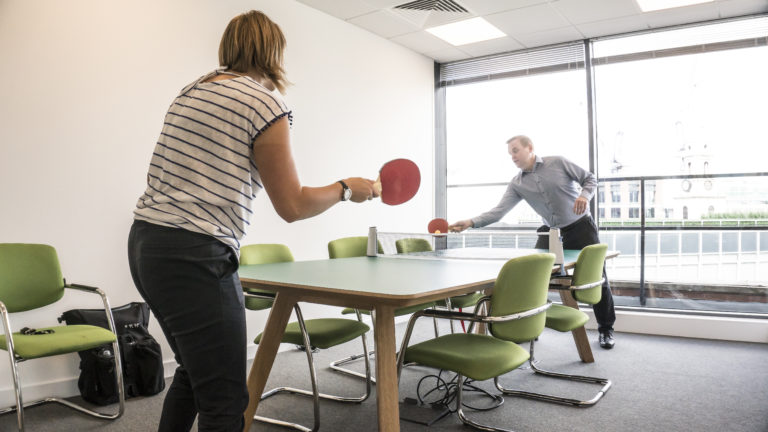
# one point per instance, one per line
(380, 284)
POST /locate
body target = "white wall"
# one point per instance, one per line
(84, 87)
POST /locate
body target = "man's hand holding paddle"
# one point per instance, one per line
(460, 225)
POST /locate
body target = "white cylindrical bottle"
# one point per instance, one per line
(556, 245)
(372, 242)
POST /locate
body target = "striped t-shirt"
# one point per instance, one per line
(201, 177)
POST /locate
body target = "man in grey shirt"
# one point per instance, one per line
(559, 191)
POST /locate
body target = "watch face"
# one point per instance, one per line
(347, 194)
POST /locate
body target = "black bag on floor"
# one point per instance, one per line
(140, 355)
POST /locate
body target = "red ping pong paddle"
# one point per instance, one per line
(438, 226)
(398, 181)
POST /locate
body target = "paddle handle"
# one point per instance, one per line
(377, 185)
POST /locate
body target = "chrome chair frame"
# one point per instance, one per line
(335, 365)
(473, 317)
(561, 282)
(15, 360)
(315, 393)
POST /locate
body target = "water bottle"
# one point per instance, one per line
(556, 245)
(373, 244)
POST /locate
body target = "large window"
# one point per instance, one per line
(687, 127)
(481, 116)
(679, 126)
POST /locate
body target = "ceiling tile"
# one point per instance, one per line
(549, 37)
(527, 20)
(682, 15)
(447, 55)
(733, 8)
(422, 42)
(493, 46)
(583, 11)
(385, 4)
(613, 26)
(343, 9)
(488, 7)
(384, 23)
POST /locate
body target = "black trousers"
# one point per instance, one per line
(577, 235)
(191, 284)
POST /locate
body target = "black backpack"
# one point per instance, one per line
(140, 355)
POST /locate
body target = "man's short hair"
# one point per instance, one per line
(524, 140)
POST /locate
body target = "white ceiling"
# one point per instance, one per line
(527, 23)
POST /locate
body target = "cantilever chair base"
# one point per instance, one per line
(66, 403)
(335, 365)
(606, 383)
(463, 417)
(314, 393)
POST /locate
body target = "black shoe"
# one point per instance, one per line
(606, 339)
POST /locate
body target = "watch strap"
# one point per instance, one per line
(344, 190)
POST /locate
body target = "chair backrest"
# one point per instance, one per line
(263, 254)
(30, 276)
(349, 247)
(589, 268)
(408, 245)
(522, 284)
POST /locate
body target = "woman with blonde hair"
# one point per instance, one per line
(225, 138)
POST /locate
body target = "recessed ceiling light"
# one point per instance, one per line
(652, 5)
(466, 32)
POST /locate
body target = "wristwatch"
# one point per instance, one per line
(346, 193)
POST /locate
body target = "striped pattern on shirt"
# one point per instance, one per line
(201, 177)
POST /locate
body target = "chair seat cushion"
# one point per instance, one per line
(323, 332)
(476, 356)
(253, 303)
(63, 340)
(398, 312)
(564, 318)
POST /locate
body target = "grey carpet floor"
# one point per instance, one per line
(659, 384)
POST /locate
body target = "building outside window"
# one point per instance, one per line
(615, 192)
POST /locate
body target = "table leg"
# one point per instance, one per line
(279, 315)
(580, 334)
(386, 369)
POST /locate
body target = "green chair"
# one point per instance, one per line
(30, 278)
(349, 247)
(412, 244)
(585, 284)
(308, 334)
(516, 313)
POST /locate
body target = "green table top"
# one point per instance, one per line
(394, 279)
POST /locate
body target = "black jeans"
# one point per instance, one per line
(578, 235)
(191, 284)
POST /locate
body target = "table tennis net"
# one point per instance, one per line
(518, 239)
